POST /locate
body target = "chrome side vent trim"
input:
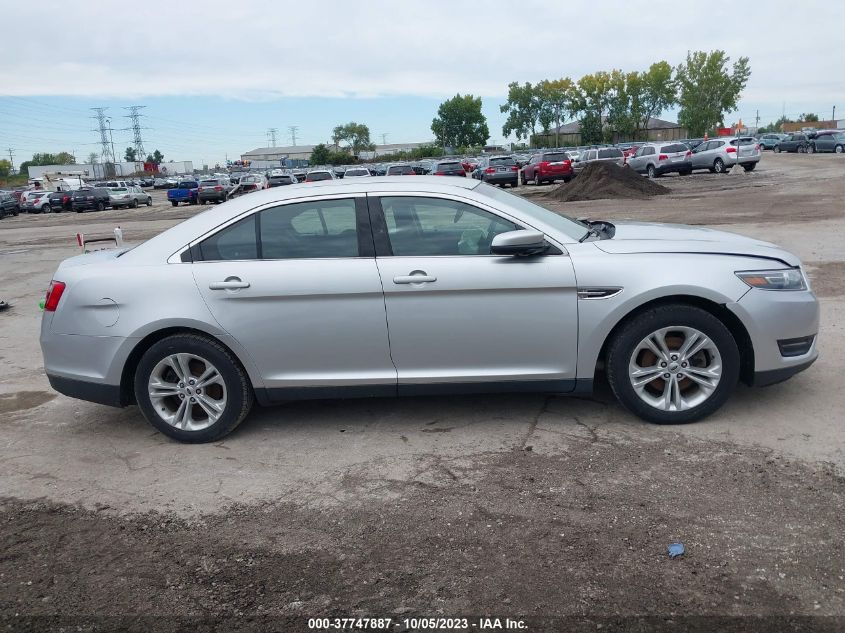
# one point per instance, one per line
(598, 292)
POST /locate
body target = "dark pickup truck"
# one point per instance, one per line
(185, 191)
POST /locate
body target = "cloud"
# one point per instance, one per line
(261, 50)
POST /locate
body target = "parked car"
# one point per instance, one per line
(607, 154)
(720, 154)
(796, 143)
(90, 198)
(827, 141)
(184, 191)
(548, 167)
(656, 159)
(768, 141)
(448, 168)
(8, 204)
(338, 171)
(692, 143)
(162, 183)
(60, 201)
(251, 301)
(497, 170)
(316, 175)
(252, 182)
(357, 172)
(36, 201)
(129, 196)
(213, 190)
(399, 169)
(280, 180)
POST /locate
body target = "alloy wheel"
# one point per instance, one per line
(675, 368)
(187, 392)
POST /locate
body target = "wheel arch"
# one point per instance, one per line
(127, 375)
(719, 310)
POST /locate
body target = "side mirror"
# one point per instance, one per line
(520, 243)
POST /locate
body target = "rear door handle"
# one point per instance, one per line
(415, 277)
(232, 283)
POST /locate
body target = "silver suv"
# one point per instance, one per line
(386, 286)
(720, 154)
(606, 154)
(656, 159)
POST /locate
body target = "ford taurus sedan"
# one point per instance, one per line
(391, 286)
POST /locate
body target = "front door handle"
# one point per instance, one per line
(415, 277)
(231, 283)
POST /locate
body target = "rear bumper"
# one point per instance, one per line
(217, 195)
(674, 167)
(499, 179)
(83, 390)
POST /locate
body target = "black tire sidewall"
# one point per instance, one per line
(622, 346)
(238, 389)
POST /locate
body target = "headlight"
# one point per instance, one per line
(783, 279)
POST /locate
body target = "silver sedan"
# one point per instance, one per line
(378, 287)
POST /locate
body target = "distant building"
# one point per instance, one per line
(570, 133)
(264, 156)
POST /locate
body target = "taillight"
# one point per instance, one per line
(542, 166)
(731, 150)
(54, 293)
(567, 163)
(663, 157)
(758, 147)
(199, 189)
(688, 154)
(490, 170)
(514, 168)
(218, 188)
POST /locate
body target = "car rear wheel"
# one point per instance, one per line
(192, 389)
(537, 180)
(673, 364)
(776, 149)
(46, 209)
(652, 173)
(811, 149)
(718, 166)
(174, 203)
(149, 201)
(135, 204)
(801, 149)
(838, 149)
(100, 206)
(749, 166)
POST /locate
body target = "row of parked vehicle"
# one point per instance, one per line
(809, 142)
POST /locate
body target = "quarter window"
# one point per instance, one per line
(424, 227)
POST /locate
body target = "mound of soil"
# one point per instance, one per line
(607, 180)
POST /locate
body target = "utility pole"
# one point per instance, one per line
(12, 160)
(757, 120)
(271, 136)
(384, 138)
(292, 129)
(105, 152)
(135, 116)
(111, 136)
(833, 116)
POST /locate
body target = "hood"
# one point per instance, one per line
(648, 237)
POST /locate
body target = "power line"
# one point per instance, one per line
(271, 136)
(292, 129)
(135, 116)
(105, 151)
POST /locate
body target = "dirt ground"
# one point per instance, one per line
(557, 511)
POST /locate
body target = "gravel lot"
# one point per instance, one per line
(512, 505)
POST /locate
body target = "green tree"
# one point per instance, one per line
(5, 167)
(130, 155)
(320, 155)
(459, 121)
(591, 128)
(808, 117)
(523, 108)
(558, 98)
(65, 158)
(355, 135)
(156, 157)
(650, 93)
(93, 158)
(594, 96)
(708, 89)
(624, 102)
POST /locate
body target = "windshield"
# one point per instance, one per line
(566, 225)
(188, 184)
(319, 175)
(556, 158)
(504, 160)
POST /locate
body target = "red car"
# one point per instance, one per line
(548, 167)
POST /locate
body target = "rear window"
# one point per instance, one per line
(208, 183)
(319, 175)
(674, 148)
(119, 189)
(503, 160)
(743, 141)
(188, 184)
(449, 165)
(556, 158)
(400, 170)
(611, 152)
(357, 172)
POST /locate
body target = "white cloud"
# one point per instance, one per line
(263, 49)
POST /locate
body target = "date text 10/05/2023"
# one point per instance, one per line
(418, 624)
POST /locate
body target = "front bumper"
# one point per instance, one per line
(772, 317)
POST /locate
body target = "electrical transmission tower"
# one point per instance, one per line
(106, 152)
(292, 129)
(135, 116)
(11, 151)
(271, 136)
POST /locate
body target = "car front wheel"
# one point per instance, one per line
(673, 364)
(838, 149)
(192, 389)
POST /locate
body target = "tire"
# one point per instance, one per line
(46, 209)
(100, 206)
(811, 149)
(174, 203)
(537, 180)
(718, 166)
(651, 171)
(626, 350)
(686, 172)
(776, 149)
(232, 391)
(149, 201)
(202, 203)
(801, 149)
(567, 180)
(135, 203)
(749, 166)
(225, 197)
(837, 149)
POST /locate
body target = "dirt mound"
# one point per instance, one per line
(607, 180)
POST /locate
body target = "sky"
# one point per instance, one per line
(214, 76)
